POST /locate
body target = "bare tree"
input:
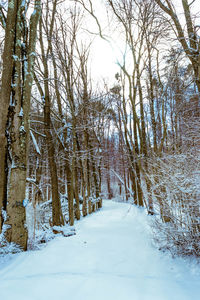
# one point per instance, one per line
(17, 77)
(188, 38)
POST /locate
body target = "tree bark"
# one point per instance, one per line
(19, 122)
(5, 93)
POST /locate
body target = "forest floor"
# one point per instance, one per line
(111, 257)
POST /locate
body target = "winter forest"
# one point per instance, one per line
(84, 151)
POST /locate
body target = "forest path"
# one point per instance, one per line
(110, 258)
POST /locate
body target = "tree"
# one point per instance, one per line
(188, 38)
(57, 217)
(17, 77)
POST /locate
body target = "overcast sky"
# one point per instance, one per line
(106, 53)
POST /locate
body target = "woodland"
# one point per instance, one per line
(67, 142)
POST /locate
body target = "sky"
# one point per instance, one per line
(105, 54)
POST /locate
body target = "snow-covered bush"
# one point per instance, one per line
(176, 194)
(5, 247)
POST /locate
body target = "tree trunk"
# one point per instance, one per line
(5, 97)
(19, 124)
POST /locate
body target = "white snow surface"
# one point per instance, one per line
(111, 257)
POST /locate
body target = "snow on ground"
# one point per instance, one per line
(110, 258)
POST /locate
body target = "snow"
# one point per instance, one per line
(34, 12)
(121, 180)
(23, 4)
(111, 257)
(21, 113)
(35, 143)
(25, 202)
(15, 57)
(22, 129)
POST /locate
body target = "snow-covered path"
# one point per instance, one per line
(110, 258)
